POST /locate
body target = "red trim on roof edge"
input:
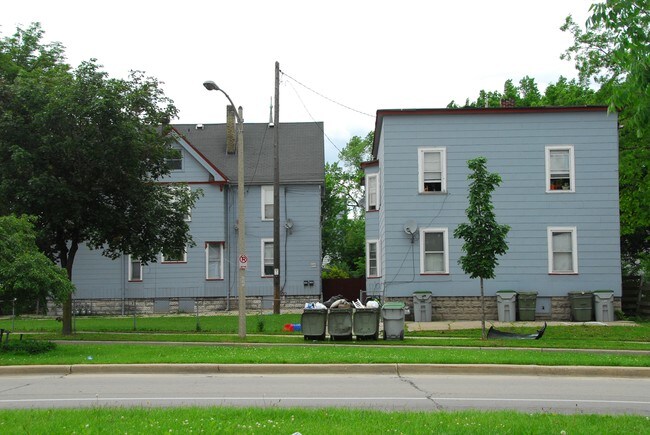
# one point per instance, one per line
(200, 153)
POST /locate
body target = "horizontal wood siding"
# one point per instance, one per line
(299, 247)
(514, 145)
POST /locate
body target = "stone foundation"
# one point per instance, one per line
(442, 307)
(205, 306)
(469, 308)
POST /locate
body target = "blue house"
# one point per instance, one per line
(559, 195)
(204, 277)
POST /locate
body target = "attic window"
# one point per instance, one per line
(175, 161)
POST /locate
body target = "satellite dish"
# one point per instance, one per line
(410, 227)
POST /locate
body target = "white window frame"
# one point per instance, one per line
(174, 199)
(181, 159)
(443, 169)
(377, 259)
(372, 180)
(208, 269)
(130, 270)
(264, 191)
(572, 168)
(181, 261)
(574, 248)
(445, 237)
(264, 259)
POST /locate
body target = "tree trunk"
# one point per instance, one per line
(483, 334)
(67, 260)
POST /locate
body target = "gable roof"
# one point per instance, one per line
(381, 113)
(216, 174)
(302, 151)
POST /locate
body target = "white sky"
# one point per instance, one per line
(366, 55)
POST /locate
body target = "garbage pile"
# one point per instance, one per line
(339, 302)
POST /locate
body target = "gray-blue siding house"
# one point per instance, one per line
(206, 275)
(559, 195)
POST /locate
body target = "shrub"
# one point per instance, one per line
(27, 347)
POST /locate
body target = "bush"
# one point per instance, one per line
(27, 347)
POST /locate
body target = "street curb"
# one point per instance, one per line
(334, 369)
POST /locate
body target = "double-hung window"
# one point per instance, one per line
(560, 169)
(213, 260)
(562, 250)
(372, 192)
(372, 259)
(175, 161)
(267, 203)
(267, 257)
(135, 269)
(434, 251)
(432, 170)
(176, 256)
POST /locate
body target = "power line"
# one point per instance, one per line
(312, 117)
(327, 98)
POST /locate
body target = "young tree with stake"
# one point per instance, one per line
(484, 239)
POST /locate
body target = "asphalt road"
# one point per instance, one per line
(424, 392)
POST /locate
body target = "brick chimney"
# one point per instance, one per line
(230, 130)
(507, 103)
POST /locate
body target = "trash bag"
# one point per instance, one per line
(328, 303)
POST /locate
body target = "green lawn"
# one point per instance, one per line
(309, 421)
(217, 342)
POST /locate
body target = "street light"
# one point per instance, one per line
(241, 241)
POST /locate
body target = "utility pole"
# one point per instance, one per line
(276, 195)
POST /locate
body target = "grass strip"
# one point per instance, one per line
(121, 353)
(308, 421)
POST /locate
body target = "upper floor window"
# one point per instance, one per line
(175, 161)
(432, 170)
(372, 259)
(434, 250)
(267, 257)
(214, 260)
(372, 192)
(267, 203)
(135, 269)
(176, 256)
(562, 250)
(560, 169)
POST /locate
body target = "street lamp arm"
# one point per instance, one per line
(212, 86)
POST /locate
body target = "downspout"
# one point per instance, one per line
(123, 281)
(287, 231)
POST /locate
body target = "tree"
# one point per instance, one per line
(82, 152)
(343, 234)
(484, 239)
(614, 51)
(27, 276)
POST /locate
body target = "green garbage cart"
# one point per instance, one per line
(312, 323)
(365, 323)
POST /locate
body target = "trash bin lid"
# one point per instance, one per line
(393, 306)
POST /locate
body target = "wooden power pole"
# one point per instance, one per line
(276, 195)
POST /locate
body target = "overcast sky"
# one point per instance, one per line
(365, 55)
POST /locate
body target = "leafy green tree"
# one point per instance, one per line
(343, 224)
(614, 51)
(484, 239)
(26, 274)
(82, 152)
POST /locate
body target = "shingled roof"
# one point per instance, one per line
(302, 153)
